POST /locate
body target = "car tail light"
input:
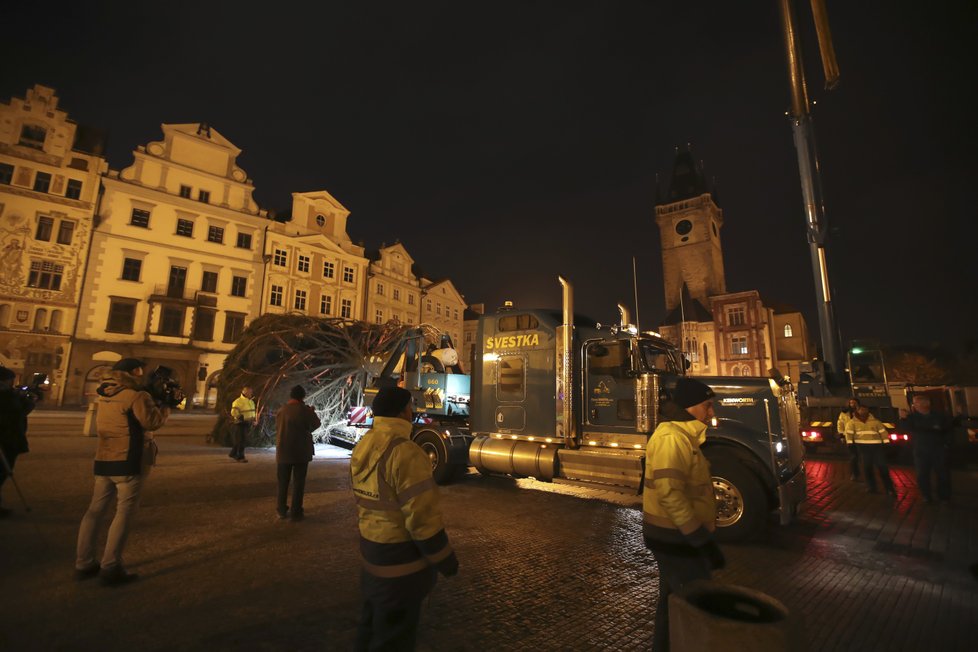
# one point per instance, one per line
(906, 438)
(893, 436)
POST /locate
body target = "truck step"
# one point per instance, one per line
(628, 491)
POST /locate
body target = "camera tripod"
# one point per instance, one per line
(5, 466)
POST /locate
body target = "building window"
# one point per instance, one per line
(244, 241)
(736, 316)
(45, 225)
(280, 259)
(380, 289)
(347, 274)
(455, 314)
(171, 321)
(203, 196)
(379, 316)
(42, 182)
(31, 136)
(139, 218)
(328, 269)
(738, 345)
(55, 325)
(427, 305)
(122, 316)
(275, 298)
(177, 282)
(185, 191)
(706, 354)
(300, 300)
(185, 228)
(208, 282)
(303, 263)
(346, 308)
(233, 325)
(239, 285)
(131, 268)
(40, 316)
(787, 330)
(438, 308)
(45, 275)
(6, 173)
(410, 299)
(397, 294)
(215, 234)
(66, 230)
(73, 189)
(204, 325)
(325, 305)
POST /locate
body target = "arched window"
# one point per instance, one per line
(55, 326)
(4, 315)
(706, 354)
(787, 330)
(40, 319)
(736, 371)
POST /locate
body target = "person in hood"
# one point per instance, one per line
(678, 503)
(403, 543)
(14, 408)
(125, 421)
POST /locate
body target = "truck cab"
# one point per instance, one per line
(566, 400)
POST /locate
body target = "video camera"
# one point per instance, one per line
(164, 388)
(35, 390)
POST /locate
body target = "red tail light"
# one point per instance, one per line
(906, 438)
(893, 436)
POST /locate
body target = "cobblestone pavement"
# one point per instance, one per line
(543, 567)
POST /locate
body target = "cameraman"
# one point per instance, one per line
(14, 408)
(127, 415)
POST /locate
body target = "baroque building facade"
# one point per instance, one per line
(49, 184)
(393, 291)
(722, 333)
(443, 306)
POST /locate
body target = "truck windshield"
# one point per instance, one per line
(659, 358)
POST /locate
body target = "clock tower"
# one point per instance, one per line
(689, 228)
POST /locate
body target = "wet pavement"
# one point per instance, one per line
(543, 567)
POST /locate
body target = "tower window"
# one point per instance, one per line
(738, 345)
(787, 330)
(736, 316)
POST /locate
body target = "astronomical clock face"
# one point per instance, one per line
(683, 229)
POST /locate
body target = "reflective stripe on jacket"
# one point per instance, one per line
(243, 409)
(844, 418)
(678, 498)
(870, 431)
(401, 529)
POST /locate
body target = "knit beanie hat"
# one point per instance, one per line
(391, 401)
(690, 392)
(128, 365)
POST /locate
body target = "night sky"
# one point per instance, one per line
(507, 142)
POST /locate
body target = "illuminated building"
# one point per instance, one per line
(49, 180)
(393, 291)
(442, 305)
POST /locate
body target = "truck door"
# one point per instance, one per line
(510, 392)
(609, 386)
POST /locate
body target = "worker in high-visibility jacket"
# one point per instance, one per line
(678, 503)
(870, 435)
(242, 421)
(845, 417)
(402, 538)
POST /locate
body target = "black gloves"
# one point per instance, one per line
(713, 554)
(448, 566)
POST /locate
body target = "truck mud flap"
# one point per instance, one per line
(599, 467)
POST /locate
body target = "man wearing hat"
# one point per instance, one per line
(14, 408)
(126, 417)
(678, 503)
(403, 544)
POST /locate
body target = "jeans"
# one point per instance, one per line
(674, 572)
(874, 455)
(239, 435)
(126, 490)
(297, 472)
(932, 458)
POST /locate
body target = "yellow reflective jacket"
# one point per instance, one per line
(870, 431)
(678, 498)
(844, 418)
(243, 410)
(401, 529)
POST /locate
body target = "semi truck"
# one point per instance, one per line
(562, 399)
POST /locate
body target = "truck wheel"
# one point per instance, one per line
(437, 451)
(741, 505)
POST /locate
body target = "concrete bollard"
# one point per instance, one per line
(708, 615)
(89, 429)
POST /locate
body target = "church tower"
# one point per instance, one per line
(689, 227)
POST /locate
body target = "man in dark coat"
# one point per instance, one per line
(14, 408)
(294, 425)
(930, 434)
